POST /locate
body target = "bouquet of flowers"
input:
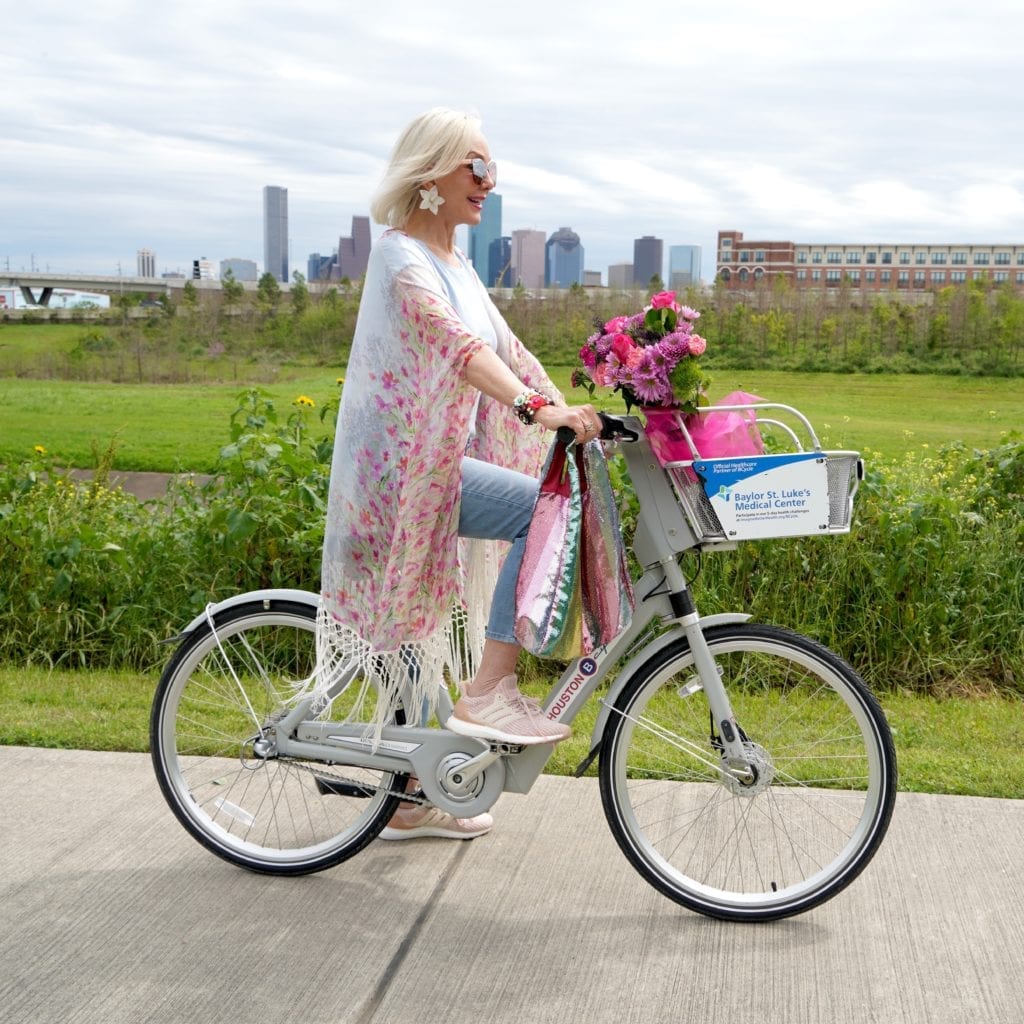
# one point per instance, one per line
(651, 357)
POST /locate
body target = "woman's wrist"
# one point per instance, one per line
(525, 405)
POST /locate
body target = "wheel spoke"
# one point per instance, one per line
(793, 828)
(220, 694)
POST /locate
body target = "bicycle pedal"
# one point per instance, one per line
(505, 748)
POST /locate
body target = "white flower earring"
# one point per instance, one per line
(430, 199)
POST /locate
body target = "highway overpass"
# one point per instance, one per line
(37, 289)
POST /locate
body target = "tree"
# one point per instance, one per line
(268, 291)
(189, 295)
(233, 290)
(300, 294)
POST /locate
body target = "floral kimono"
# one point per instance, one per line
(401, 597)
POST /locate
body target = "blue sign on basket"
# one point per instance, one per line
(767, 495)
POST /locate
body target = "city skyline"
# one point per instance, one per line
(802, 121)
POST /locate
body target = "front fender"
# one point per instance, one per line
(645, 653)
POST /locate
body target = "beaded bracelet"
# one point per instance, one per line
(525, 406)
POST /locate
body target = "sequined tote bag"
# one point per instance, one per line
(573, 593)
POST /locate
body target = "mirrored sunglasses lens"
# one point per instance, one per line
(482, 169)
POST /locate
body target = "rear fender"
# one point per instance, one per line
(265, 596)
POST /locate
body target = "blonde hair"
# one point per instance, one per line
(431, 146)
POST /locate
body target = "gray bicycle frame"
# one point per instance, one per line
(479, 772)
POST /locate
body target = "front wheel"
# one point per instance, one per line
(214, 708)
(803, 817)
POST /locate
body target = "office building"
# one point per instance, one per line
(500, 263)
(275, 231)
(241, 270)
(648, 260)
(528, 258)
(203, 270)
(319, 268)
(683, 266)
(354, 251)
(145, 263)
(482, 235)
(899, 266)
(563, 259)
(591, 278)
(620, 275)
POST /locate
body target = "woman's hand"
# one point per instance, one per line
(582, 420)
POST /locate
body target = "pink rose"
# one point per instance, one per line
(622, 345)
(588, 357)
(664, 300)
(616, 325)
(697, 344)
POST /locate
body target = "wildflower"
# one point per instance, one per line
(339, 380)
(39, 450)
(305, 401)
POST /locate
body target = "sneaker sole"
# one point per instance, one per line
(487, 732)
(430, 832)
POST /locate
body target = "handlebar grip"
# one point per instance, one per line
(611, 429)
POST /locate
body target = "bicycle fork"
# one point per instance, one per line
(726, 735)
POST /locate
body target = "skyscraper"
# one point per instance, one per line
(563, 259)
(145, 261)
(482, 235)
(275, 231)
(528, 258)
(500, 262)
(354, 252)
(683, 266)
(648, 260)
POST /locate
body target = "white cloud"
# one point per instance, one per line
(791, 121)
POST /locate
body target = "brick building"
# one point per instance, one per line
(871, 267)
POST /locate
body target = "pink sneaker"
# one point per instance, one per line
(506, 716)
(421, 822)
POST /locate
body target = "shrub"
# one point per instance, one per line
(926, 593)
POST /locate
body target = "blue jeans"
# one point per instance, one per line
(497, 504)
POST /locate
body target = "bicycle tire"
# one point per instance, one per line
(767, 847)
(267, 814)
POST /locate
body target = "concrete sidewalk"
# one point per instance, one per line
(111, 913)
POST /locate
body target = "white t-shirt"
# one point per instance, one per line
(463, 288)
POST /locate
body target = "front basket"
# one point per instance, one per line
(798, 494)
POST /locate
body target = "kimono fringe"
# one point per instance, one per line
(376, 684)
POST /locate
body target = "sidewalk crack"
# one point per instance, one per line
(369, 1010)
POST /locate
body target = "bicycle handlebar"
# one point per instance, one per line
(612, 429)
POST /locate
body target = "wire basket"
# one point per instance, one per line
(794, 495)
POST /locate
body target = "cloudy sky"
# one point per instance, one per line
(133, 124)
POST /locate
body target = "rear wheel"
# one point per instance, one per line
(215, 699)
(786, 830)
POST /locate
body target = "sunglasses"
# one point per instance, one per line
(481, 169)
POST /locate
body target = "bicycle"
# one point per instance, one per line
(745, 771)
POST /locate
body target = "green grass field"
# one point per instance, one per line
(173, 427)
(110, 711)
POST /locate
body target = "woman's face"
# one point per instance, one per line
(463, 193)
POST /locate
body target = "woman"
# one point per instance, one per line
(441, 435)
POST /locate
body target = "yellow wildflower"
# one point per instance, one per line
(305, 401)
(39, 450)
